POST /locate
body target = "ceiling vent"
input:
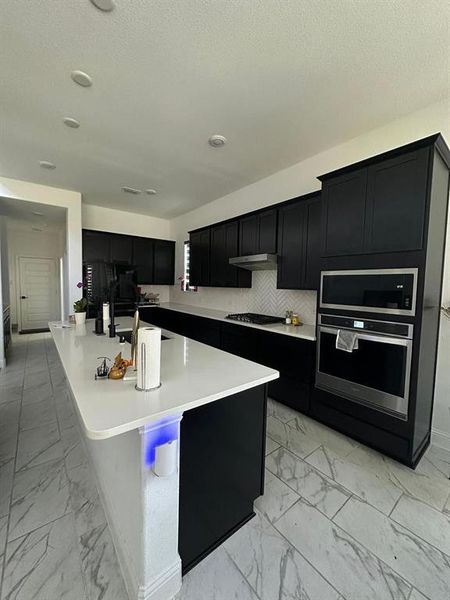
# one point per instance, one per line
(130, 190)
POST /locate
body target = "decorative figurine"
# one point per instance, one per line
(119, 367)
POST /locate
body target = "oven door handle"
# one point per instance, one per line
(381, 338)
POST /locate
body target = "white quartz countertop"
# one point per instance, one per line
(192, 374)
(305, 332)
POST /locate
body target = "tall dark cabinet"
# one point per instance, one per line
(390, 212)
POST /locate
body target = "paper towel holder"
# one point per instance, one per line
(143, 366)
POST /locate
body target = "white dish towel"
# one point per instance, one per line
(346, 341)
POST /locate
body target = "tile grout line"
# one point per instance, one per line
(357, 542)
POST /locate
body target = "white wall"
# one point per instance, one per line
(71, 201)
(301, 178)
(37, 244)
(119, 221)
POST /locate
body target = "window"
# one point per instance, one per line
(185, 278)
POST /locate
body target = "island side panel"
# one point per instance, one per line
(221, 470)
(117, 466)
(141, 508)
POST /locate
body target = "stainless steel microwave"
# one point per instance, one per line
(387, 291)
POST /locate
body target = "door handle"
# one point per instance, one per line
(23, 297)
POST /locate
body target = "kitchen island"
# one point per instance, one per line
(211, 407)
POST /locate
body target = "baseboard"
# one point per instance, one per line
(440, 438)
(167, 585)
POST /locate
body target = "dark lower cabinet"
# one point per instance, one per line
(293, 358)
(221, 471)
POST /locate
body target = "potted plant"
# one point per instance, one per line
(80, 306)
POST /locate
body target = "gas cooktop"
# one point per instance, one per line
(255, 318)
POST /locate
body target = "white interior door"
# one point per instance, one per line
(38, 292)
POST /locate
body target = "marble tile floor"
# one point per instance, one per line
(338, 521)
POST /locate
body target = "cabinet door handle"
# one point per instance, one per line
(24, 297)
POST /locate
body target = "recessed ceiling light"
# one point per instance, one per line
(45, 164)
(81, 78)
(217, 141)
(71, 122)
(130, 190)
(38, 214)
(150, 192)
(105, 5)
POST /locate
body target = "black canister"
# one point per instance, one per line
(99, 324)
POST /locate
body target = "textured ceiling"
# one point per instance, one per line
(282, 80)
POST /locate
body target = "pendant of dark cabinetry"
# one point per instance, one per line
(299, 243)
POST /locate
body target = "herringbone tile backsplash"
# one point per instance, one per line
(263, 297)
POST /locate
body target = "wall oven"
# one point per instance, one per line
(373, 369)
(387, 291)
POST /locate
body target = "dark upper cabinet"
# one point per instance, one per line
(299, 244)
(200, 245)
(258, 233)
(396, 200)
(143, 255)
(164, 262)
(224, 245)
(96, 245)
(344, 206)
(121, 248)
(291, 245)
(154, 260)
(377, 208)
(313, 243)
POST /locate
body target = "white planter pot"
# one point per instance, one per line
(80, 318)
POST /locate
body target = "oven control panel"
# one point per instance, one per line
(386, 327)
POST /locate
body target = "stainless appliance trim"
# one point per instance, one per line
(389, 403)
(255, 262)
(391, 311)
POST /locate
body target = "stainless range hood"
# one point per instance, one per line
(255, 262)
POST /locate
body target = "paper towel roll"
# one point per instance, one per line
(106, 311)
(166, 459)
(148, 358)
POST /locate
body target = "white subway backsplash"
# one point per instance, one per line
(263, 297)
